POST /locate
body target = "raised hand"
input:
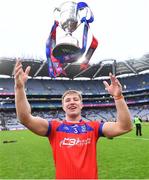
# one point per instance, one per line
(115, 88)
(20, 75)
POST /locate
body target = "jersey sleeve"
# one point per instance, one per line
(49, 129)
(98, 126)
(53, 124)
(100, 131)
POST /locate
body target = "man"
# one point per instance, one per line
(73, 140)
(137, 122)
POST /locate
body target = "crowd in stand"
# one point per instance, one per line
(35, 86)
(9, 121)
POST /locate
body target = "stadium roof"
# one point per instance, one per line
(39, 68)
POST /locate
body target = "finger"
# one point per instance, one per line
(17, 74)
(27, 70)
(106, 84)
(112, 78)
(17, 65)
(18, 61)
(118, 82)
(110, 74)
(17, 68)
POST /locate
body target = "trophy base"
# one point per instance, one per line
(66, 49)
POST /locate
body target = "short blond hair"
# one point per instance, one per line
(72, 92)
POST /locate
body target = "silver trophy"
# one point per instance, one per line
(68, 18)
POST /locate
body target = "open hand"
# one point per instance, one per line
(115, 88)
(20, 75)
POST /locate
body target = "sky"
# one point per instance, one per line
(121, 27)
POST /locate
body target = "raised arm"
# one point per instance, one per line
(123, 122)
(35, 124)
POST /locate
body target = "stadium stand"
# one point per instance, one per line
(44, 95)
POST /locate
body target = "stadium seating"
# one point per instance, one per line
(45, 98)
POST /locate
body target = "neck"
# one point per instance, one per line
(73, 119)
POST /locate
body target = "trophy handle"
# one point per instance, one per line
(85, 14)
(66, 15)
(56, 13)
(88, 15)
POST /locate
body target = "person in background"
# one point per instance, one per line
(73, 140)
(138, 124)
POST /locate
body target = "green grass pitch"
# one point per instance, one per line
(30, 157)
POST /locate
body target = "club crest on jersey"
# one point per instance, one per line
(75, 128)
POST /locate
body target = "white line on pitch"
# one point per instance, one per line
(145, 139)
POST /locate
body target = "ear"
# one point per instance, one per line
(63, 106)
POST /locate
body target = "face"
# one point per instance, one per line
(72, 105)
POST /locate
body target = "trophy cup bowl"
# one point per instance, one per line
(68, 20)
